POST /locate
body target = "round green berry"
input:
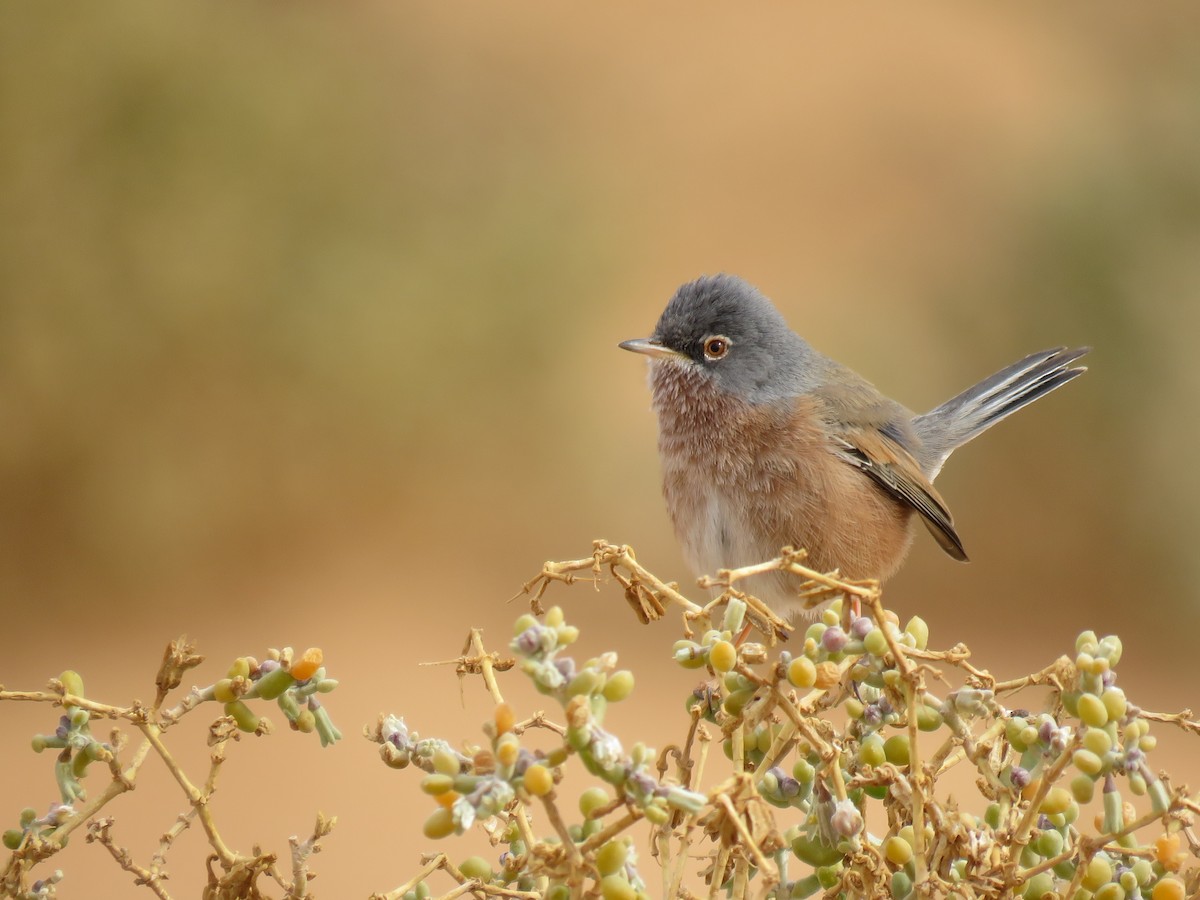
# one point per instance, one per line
(803, 771)
(619, 686)
(919, 631)
(689, 654)
(1099, 873)
(476, 867)
(871, 751)
(897, 750)
(929, 718)
(876, 643)
(593, 799)
(1083, 789)
(1048, 843)
(1038, 886)
(809, 849)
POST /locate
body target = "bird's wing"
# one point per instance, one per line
(868, 432)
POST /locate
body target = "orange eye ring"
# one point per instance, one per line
(716, 347)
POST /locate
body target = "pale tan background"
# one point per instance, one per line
(308, 325)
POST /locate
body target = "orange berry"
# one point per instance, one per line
(1166, 851)
(306, 666)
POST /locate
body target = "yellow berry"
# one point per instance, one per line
(1114, 702)
(615, 887)
(1168, 888)
(897, 850)
(1092, 711)
(1057, 800)
(1083, 789)
(1087, 762)
(223, 691)
(305, 721)
(722, 656)
(445, 761)
(538, 780)
(619, 686)
(1097, 741)
(440, 824)
(802, 672)
(437, 783)
(507, 749)
(611, 857)
(1099, 873)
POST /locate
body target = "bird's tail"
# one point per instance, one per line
(980, 407)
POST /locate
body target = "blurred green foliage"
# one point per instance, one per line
(243, 264)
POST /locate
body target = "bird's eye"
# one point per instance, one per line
(716, 347)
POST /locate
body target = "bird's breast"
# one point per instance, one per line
(743, 480)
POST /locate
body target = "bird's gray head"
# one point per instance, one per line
(727, 333)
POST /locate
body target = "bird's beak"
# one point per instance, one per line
(651, 348)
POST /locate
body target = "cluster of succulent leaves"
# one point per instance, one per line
(78, 749)
(1044, 767)
(1103, 734)
(483, 782)
(292, 683)
(294, 688)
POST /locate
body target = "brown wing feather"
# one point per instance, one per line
(867, 428)
(893, 469)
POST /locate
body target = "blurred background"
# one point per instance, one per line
(308, 326)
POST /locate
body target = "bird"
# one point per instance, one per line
(765, 442)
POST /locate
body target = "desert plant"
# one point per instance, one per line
(823, 733)
(836, 751)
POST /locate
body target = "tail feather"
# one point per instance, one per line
(979, 407)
